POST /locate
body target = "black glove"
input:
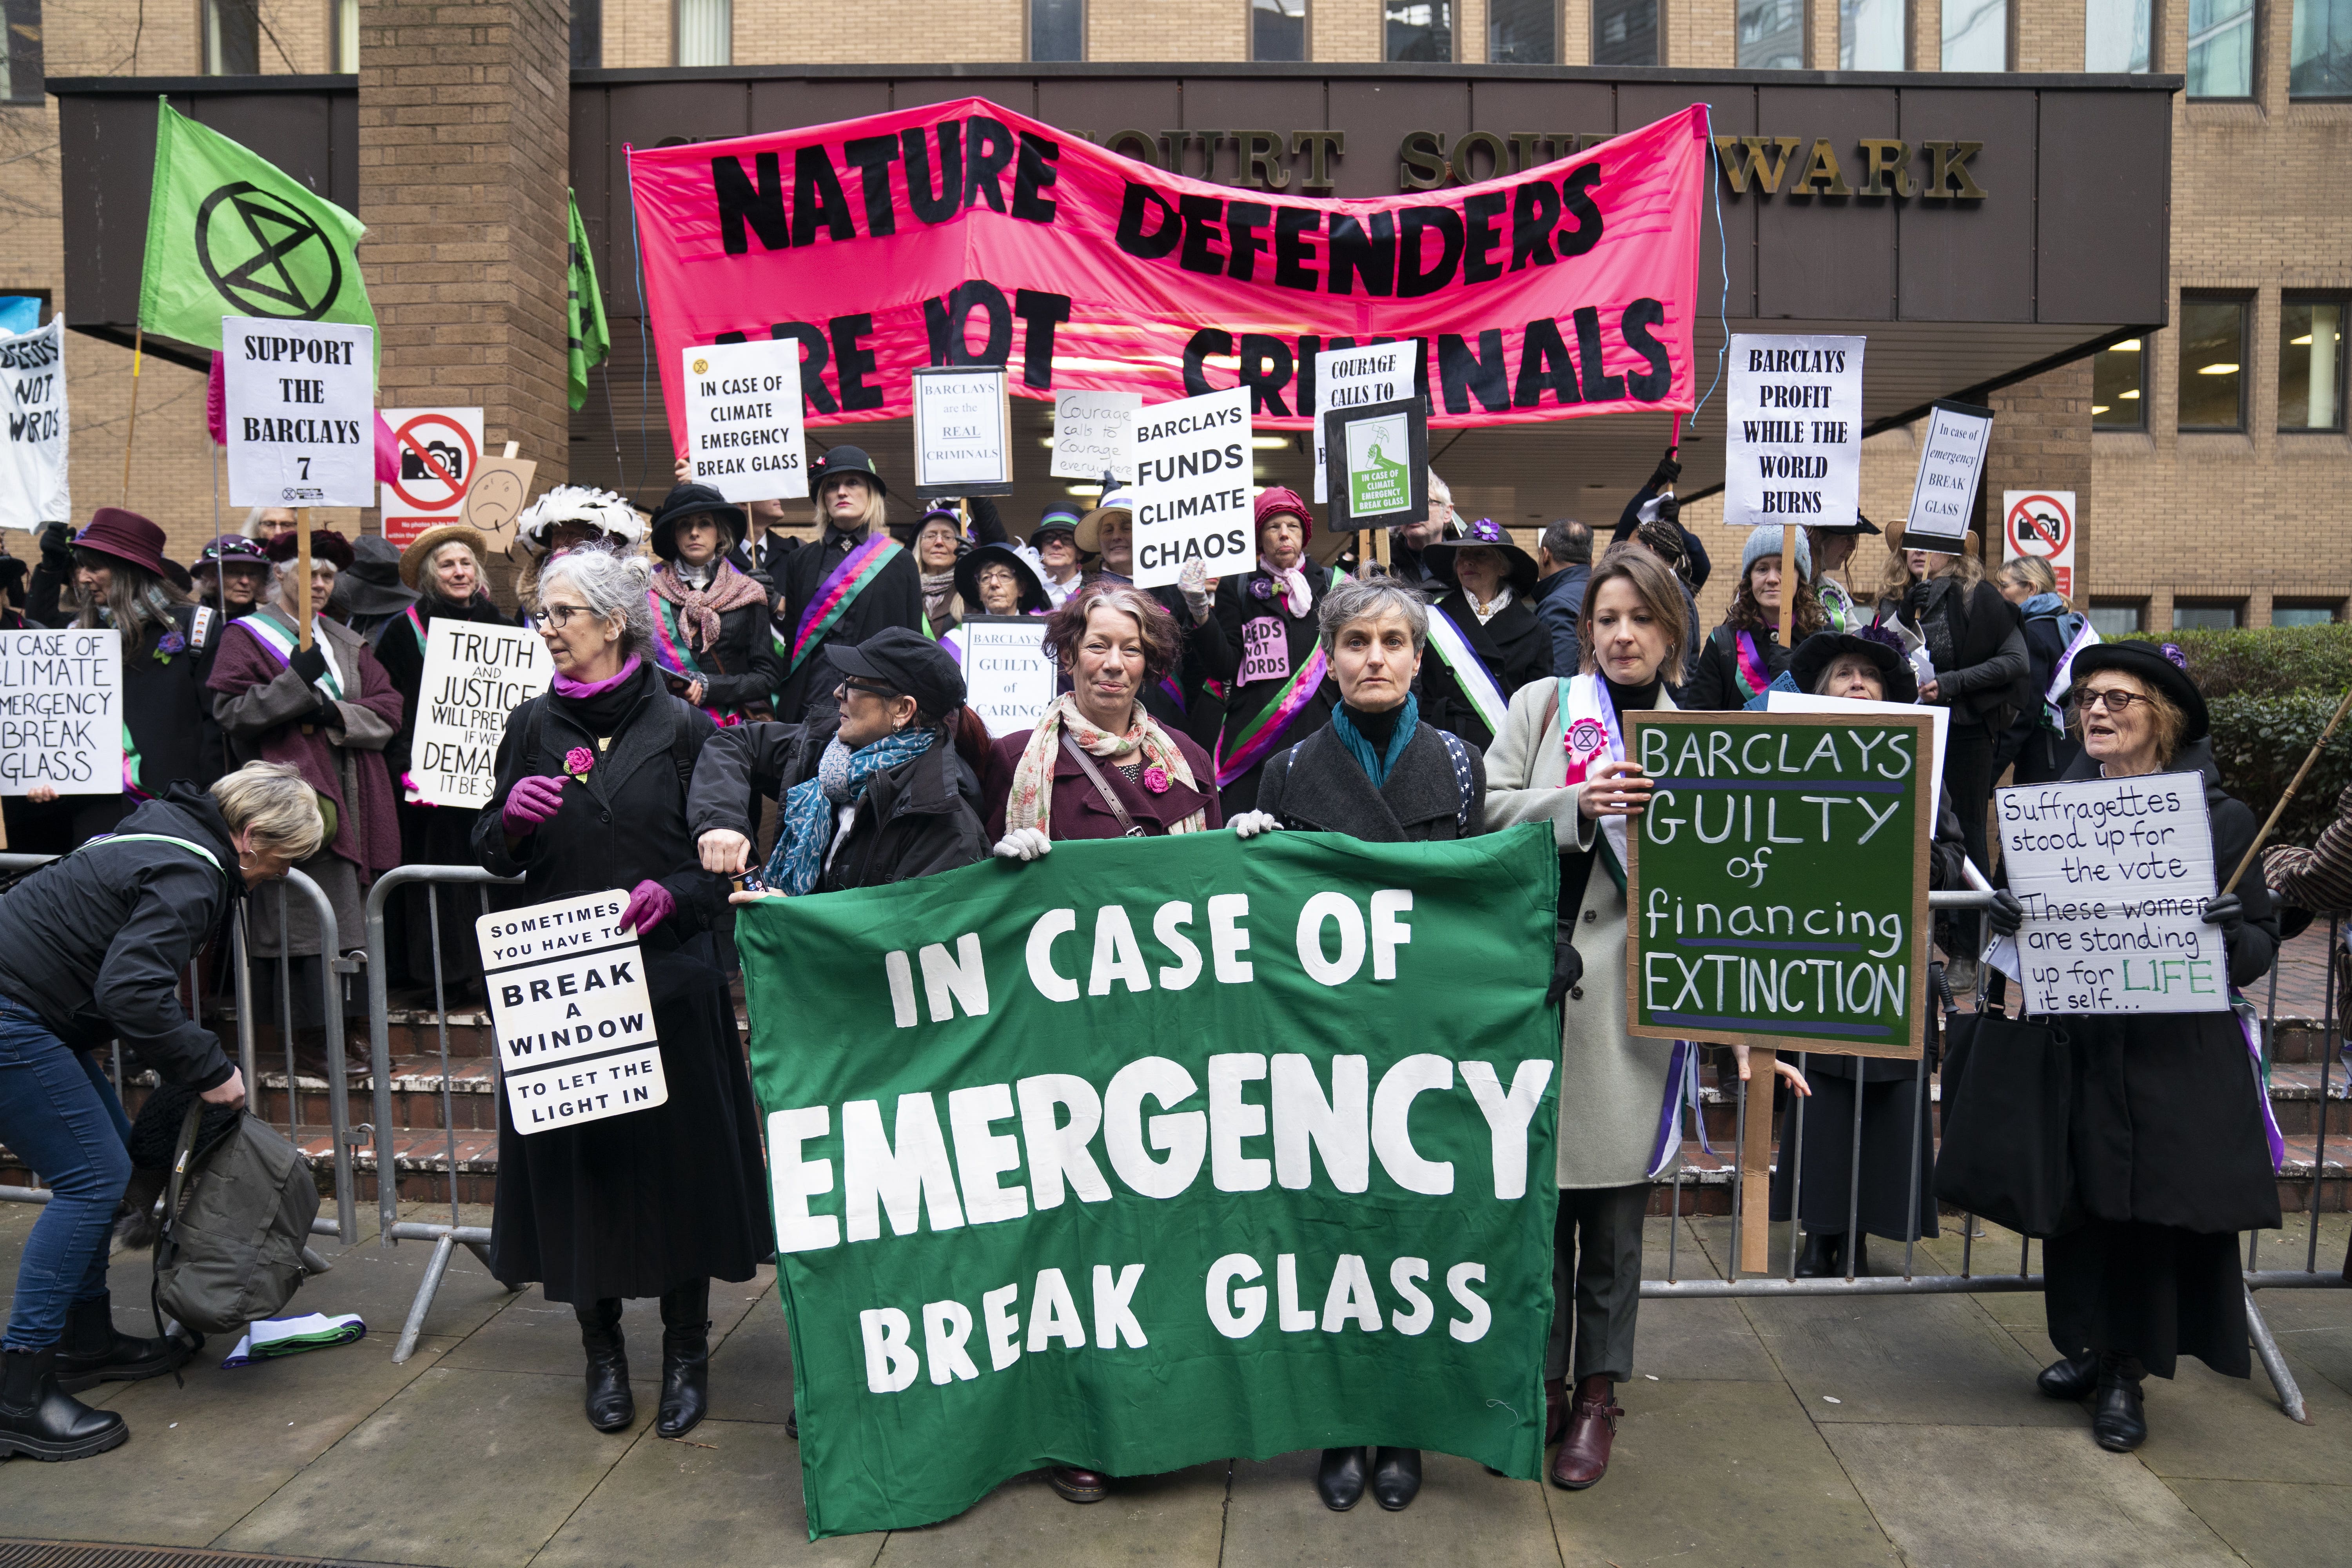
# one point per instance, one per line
(2007, 916)
(309, 663)
(1670, 510)
(1566, 969)
(1915, 603)
(1666, 473)
(2228, 914)
(57, 549)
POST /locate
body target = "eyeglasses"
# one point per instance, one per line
(2117, 703)
(870, 688)
(556, 616)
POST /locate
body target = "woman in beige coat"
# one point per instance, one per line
(1560, 759)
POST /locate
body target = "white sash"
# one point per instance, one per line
(1589, 729)
(278, 641)
(2064, 676)
(1470, 672)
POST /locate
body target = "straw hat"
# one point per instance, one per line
(420, 549)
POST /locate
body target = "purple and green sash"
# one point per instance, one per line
(841, 585)
(131, 768)
(1752, 678)
(265, 629)
(1260, 737)
(416, 624)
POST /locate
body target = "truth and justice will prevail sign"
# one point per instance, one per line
(1190, 1126)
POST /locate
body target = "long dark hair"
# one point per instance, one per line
(135, 599)
(1749, 615)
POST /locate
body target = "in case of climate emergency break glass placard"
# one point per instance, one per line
(567, 1000)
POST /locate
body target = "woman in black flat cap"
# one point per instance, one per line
(2173, 1147)
(853, 581)
(710, 620)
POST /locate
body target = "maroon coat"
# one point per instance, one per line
(1078, 811)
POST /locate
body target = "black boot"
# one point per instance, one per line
(611, 1407)
(1396, 1478)
(40, 1419)
(1340, 1480)
(2118, 1419)
(1859, 1264)
(2069, 1377)
(686, 1358)
(1819, 1260)
(93, 1351)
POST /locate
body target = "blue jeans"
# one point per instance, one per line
(60, 1116)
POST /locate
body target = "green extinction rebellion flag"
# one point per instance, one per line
(591, 339)
(230, 234)
(1155, 1151)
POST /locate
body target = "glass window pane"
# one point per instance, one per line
(2311, 365)
(1772, 35)
(587, 33)
(232, 37)
(706, 32)
(1624, 32)
(2221, 48)
(2321, 65)
(2204, 618)
(1419, 30)
(1277, 29)
(2114, 34)
(1521, 33)
(20, 60)
(1870, 35)
(2212, 363)
(2302, 614)
(1976, 35)
(1057, 30)
(2114, 620)
(2117, 383)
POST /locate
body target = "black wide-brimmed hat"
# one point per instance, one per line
(1025, 572)
(1819, 651)
(908, 663)
(694, 500)
(1488, 534)
(840, 460)
(371, 585)
(2151, 668)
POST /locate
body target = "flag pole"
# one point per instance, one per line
(302, 584)
(138, 347)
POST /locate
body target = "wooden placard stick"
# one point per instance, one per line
(2296, 784)
(130, 428)
(1756, 1164)
(1788, 592)
(302, 566)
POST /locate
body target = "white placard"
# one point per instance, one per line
(743, 430)
(61, 711)
(2115, 875)
(439, 450)
(300, 400)
(2041, 524)
(1008, 677)
(1951, 458)
(962, 444)
(1094, 434)
(1805, 702)
(569, 1004)
(476, 673)
(1358, 378)
(33, 490)
(1192, 491)
(1793, 448)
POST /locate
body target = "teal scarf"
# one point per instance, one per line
(1376, 766)
(842, 776)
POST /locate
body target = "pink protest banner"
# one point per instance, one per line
(965, 233)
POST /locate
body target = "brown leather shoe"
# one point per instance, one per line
(1555, 1409)
(1583, 1457)
(1076, 1485)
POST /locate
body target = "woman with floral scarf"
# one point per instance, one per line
(710, 620)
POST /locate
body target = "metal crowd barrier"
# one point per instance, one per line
(390, 1228)
(345, 1226)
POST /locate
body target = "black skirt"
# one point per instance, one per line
(2154, 1291)
(1891, 1157)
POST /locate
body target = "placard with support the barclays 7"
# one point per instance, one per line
(1192, 489)
(574, 1019)
(301, 403)
(1775, 886)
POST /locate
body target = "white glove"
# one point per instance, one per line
(1023, 844)
(1250, 823)
(1194, 584)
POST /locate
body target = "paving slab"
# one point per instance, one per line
(1463, 1515)
(1718, 1473)
(1678, 1341)
(1985, 1497)
(728, 1494)
(1902, 1358)
(2274, 1524)
(2204, 1427)
(2314, 1328)
(751, 1371)
(1177, 1519)
(537, 1335)
(467, 1469)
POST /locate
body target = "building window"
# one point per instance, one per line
(2321, 64)
(2117, 618)
(587, 35)
(2304, 615)
(705, 31)
(1624, 32)
(2196, 617)
(1772, 35)
(2118, 385)
(344, 34)
(20, 62)
(1522, 33)
(232, 37)
(1976, 35)
(2115, 35)
(2311, 364)
(1870, 35)
(2212, 363)
(1057, 30)
(1277, 29)
(2221, 48)
(1419, 30)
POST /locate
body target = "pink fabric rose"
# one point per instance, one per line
(578, 761)
(1155, 779)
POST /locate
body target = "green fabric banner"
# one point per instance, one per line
(1155, 1151)
(591, 338)
(230, 234)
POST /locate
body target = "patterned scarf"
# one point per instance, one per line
(1030, 804)
(938, 597)
(699, 609)
(841, 779)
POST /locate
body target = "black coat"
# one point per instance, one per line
(1978, 643)
(634, 1205)
(1319, 786)
(2041, 752)
(1514, 647)
(1714, 683)
(915, 819)
(401, 651)
(98, 942)
(1222, 640)
(894, 598)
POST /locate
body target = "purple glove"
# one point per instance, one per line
(649, 904)
(532, 802)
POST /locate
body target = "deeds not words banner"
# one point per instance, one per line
(1153, 1153)
(965, 233)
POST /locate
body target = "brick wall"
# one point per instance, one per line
(1169, 30)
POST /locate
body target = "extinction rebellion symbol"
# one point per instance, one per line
(254, 244)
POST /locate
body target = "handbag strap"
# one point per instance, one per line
(1111, 796)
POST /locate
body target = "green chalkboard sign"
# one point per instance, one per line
(1775, 888)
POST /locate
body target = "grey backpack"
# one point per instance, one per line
(236, 1221)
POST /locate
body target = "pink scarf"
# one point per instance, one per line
(567, 687)
(699, 609)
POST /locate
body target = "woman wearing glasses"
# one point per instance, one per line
(2173, 1148)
